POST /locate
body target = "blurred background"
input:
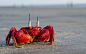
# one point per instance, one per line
(54, 3)
(68, 17)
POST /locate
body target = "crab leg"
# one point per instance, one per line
(44, 36)
(14, 39)
(52, 36)
(9, 36)
(51, 32)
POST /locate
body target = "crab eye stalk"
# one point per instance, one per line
(37, 23)
(37, 18)
(29, 17)
(29, 22)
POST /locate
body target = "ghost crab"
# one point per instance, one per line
(31, 34)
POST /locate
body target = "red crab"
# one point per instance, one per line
(31, 34)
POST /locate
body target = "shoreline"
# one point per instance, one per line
(41, 7)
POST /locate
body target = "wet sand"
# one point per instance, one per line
(69, 25)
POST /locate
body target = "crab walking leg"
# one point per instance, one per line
(44, 36)
(51, 39)
(9, 36)
(52, 36)
(51, 32)
(29, 22)
(14, 40)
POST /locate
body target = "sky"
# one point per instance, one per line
(39, 2)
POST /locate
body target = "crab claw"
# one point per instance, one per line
(18, 37)
(21, 37)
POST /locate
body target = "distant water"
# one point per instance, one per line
(53, 5)
(69, 25)
(60, 5)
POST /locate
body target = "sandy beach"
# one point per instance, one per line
(69, 24)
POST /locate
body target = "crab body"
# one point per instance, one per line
(30, 34)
